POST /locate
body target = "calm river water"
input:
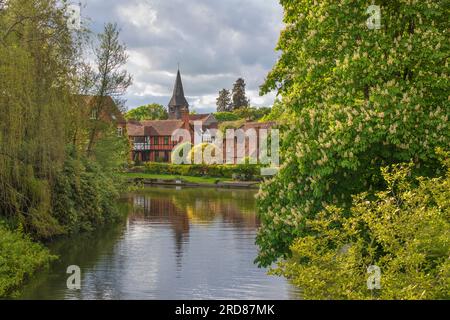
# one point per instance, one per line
(174, 244)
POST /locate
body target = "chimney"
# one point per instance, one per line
(185, 118)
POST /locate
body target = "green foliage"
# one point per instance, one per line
(226, 116)
(223, 102)
(404, 230)
(357, 100)
(110, 79)
(84, 196)
(203, 151)
(47, 188)
(231, 125)
(241, 171)
(277, 113)
(252, 113)
(238, 97)
(152, 111)
(112, 152)
(244, 114)
(36, 105)
(42, 127)
(20, 258)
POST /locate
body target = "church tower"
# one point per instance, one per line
(178, 105)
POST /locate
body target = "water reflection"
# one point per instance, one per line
(175, 244)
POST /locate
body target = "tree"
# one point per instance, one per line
(238, 95)
(110, 79)
(151, 111)
(252, 113)
(226, 116)
(224, 101)
(36, 62)
(277, 113)
(48, 187)
(359, 99)
(403, 230)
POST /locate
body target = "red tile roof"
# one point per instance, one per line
(258, 125)
(110, 111)
(161, 127)
(198, 117)
(153, 127)
(135, 129)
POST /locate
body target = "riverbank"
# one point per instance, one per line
(20, 260)
(187, 181)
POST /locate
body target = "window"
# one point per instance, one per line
(119, 131)
(94, 114)
(166, 141)
(206, 137)
(155, 141)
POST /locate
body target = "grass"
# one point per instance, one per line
(191, 179)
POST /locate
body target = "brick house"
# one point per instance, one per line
(109, 113)
(151, 140)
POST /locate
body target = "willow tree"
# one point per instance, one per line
(359, 97)
(36, 55)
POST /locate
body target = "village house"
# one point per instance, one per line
(151, 140)
(101, 112)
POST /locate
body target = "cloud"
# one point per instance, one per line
(215, 42)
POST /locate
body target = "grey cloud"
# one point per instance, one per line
(215, 42)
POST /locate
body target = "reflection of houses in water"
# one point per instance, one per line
(163, 210)
(180, 209)
(194, 208)
(141, 201)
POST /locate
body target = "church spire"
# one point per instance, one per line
(178, 101)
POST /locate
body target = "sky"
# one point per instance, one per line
(214, 41)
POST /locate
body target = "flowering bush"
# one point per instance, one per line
(358, 99)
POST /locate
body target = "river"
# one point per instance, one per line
(183, 243)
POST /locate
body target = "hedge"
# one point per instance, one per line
(238, 171)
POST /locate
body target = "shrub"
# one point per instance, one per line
(226, 116)
(20, 258)
(404, 230)
(231, 125)
(84, 196)
(204, 150)
(240, 171)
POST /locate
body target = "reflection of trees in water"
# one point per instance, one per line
(83, 250)
(201, 206)
(196, 206)
(162, 210)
